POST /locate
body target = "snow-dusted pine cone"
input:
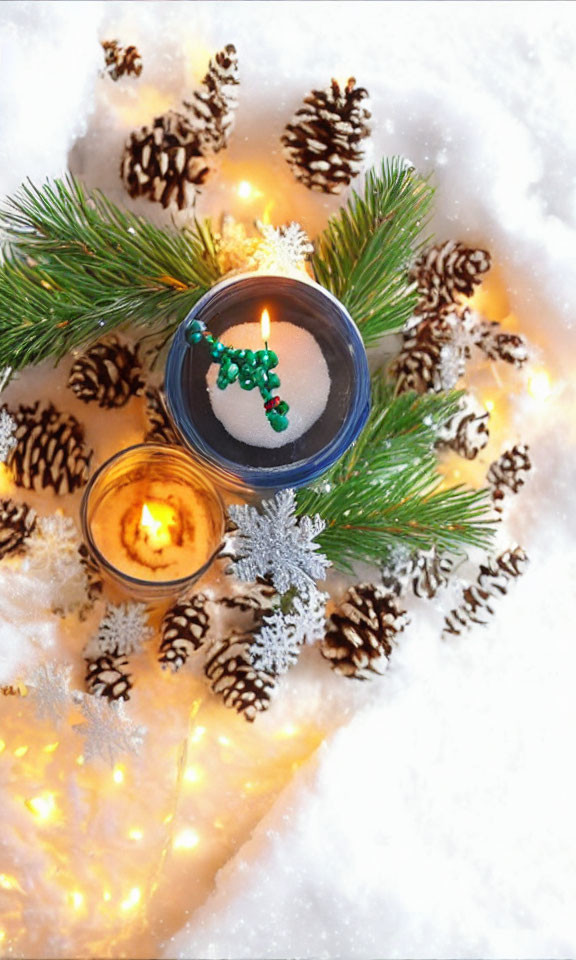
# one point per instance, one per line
(107, 676)
(361, 632)
(425, 571)
(234, 679)
(17, 521)
(434, 353)
(323, 141)
(508, 473)
(50, 450)
(212, 109)
(121, 61)
(108, 373)
(467, 431)
(496, 344)
(445, 273)
(161, 429)
(166, 161)
(431, 572)
(255, 597)
(184, 630)
(92, 571)
(493, 580)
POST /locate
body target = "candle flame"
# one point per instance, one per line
(265, 325)
(150, 523)
(157, 522)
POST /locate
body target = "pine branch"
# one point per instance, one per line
(385, 491)
(76, 266)
(365, 253)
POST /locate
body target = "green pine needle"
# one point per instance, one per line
(385, 491)
(365, 253)
(76, 266)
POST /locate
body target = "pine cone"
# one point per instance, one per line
(467, 431)
(108, 373)
(508, 473)
(50, 450)
(212, 109)
(235, 680)
(493, 580)
(184, 630)
(164, 162)
(161, 429)
(434, 353)
(361, 632)
(106, 676)
(256, 598)
(17, 521)
(323, 142)
(93, 575)
(431, 572)
(447, 272)
(496, 344)
(121, 61)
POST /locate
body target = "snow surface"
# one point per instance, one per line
(439, 819)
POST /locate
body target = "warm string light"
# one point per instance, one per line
(43, 807)
(187, 839)
(540, 385)
(132, 900)
(49, 809)
(246, 191)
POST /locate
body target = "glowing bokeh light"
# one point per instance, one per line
(43, 806)
(540, 385)
(132, 900)
(186, 840)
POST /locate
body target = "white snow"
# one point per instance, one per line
(439, 819)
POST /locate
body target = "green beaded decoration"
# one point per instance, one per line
(250, 368)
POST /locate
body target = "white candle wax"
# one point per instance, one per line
(304, 385)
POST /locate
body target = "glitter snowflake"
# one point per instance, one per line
(278, 643)
(108, 732)
(53, 556)
(50, 691)
(122, 630)
(7, 438)
(275, 543)
(282, 249)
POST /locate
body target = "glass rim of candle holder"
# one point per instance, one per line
(136, 586)
(230, 472)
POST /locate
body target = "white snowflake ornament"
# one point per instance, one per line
(49, 686)
(277, 544)
(7, 438)
(53, 556)
(282, 249)
(123, 630)
(108, 732)
(278, 643)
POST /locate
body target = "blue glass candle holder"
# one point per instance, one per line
(241, 466)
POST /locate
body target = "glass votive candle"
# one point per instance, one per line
(152, 521)
(323, 373)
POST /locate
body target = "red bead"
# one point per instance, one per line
(270, 404)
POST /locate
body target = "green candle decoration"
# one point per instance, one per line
(251, 368)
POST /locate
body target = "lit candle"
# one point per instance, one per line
(321, 380)
(304, 383)
(151, 520)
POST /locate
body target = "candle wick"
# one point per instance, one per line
(266, 344)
